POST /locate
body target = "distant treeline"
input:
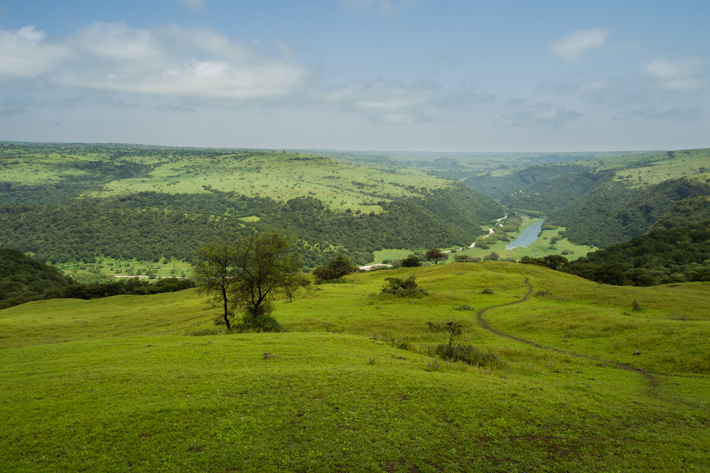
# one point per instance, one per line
(132, 286)
(149, 225)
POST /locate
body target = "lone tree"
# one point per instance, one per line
(336, 268)
(435, 254)
(246, 275)
(214, 273)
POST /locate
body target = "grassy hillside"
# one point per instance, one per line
(115, 384)
(153, 203)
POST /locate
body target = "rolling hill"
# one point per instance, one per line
(126, 382)
(80, 202)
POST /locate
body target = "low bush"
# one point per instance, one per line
(464, 307)
(403, 287)
(261, 323)
(467, 354)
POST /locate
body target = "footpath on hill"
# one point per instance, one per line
(653, 384)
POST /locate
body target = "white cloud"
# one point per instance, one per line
(543, 113)
(193, 4)
(25, 53)
(173, 61)
(384, 7)
(573, 46)
(383, 97)
(676, 74)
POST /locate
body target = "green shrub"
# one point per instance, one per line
(467, 354)
(403, 287)
(464, 307)
(261, 323)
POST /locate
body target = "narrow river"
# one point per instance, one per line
(528, 236)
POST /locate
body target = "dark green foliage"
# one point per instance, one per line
(262, 322)
(244, 275)
(464, 307)
(411, 261)
(24, 279)
(497, 187)
(150, 225)
(659, 257)
(617, 215)
(452, 328)
(552, 194)
(487, 291)
(403, 287)
(435, 254)
(134, 286)
(685, 212)
(492, 256)
(549, 261)
(467, 354)
(466, 259)
(336, 269)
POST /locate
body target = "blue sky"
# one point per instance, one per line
(415, 75)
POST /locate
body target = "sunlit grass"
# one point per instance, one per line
(116, 384)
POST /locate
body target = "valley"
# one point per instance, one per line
(603, 369)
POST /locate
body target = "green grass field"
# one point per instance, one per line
(117, 384)
(280, 176)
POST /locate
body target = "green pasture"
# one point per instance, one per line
(280, 176)
(103, 268)
(118, 384)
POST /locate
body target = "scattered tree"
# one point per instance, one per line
(411, 261)
(435, 254)
(492, 256)
(337, 268)
(213, 270)
(403, 287)
(466, 259)
(452, 328)
(245, 276)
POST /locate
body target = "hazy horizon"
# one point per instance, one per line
(345, 75)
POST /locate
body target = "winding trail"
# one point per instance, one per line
(653, 383)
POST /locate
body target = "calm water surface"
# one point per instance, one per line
(528, 236)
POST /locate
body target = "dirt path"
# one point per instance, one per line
(653, 383)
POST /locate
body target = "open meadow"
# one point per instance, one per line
(148, 383)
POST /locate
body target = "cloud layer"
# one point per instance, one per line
(173, 60)
(573, 46)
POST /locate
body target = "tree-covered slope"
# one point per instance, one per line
(685, 212)
(146, 203)
(621, 213)
(24, 279)
(148, 226)
(661, 256)
(550, 195)
(498, 186)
